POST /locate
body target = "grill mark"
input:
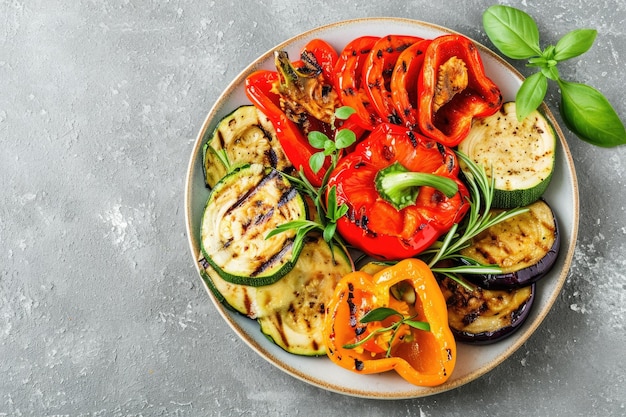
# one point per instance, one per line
(252, 191)
(274, 259)
(287, 196)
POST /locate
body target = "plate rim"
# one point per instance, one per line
(525, 332)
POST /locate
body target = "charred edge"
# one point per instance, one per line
(311, 62)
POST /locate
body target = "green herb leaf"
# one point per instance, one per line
(530, 95)
(344, 138)
(575, 43)
(329, 232)
(317, 139)
(512, 31)
(588, 114)
(317, 161)
(379, 314)
(344, 112)
(420, 325)
(551, 72)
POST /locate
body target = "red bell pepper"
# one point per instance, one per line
(395, 319)
(377, 71)
(348, 82)
(259, 89)
(404, 82)
(388, 217)
(325, 57)
(453, 89)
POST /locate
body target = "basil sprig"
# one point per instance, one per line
(585, 111)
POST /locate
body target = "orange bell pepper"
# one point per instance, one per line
(407, 299)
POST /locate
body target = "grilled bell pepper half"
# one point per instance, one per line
(402, 191)
(377, 72)
(413, 337)
(453, 89)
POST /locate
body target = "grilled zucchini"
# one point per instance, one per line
(519, 156)
(291, 310)
(241, 209)
(245, 136)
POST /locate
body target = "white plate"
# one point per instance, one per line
(473, 361)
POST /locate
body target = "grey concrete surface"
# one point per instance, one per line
(101, 310)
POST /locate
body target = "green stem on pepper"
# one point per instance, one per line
(400, 187)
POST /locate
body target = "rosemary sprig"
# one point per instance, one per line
(478, 219)
(380, 314)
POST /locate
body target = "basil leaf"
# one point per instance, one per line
(317, 139)
(317, 161)
(575, 43)
(551, 72)
(378, 314)
(588, 114)
(530, 95)
(344, 112)
(512, 31)
(344, 138)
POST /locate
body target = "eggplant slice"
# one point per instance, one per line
(525, 247)
(485, 316)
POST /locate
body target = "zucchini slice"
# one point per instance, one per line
(245, 136)
(485, 316)
(525, 247)
(241, 209)
(290, 311)
(518, 155)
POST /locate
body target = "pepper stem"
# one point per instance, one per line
(400, 187)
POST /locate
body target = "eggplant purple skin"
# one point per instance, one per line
(484, 338)
(525, 276)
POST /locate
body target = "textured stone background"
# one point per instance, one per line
(101, 310)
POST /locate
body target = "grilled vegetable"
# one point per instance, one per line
(485, 316)
(518, 155)
(291, 310)
(453, 89)
(364, 182)
(525, 247)
(244, 136)
(394, 319)
(242, 208)
(304, 91)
